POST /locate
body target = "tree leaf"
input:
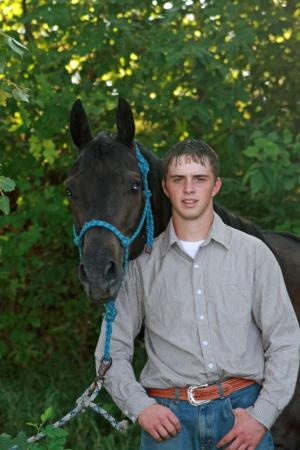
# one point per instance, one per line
(49, 152)
(7, 184)
(20, 94)
(287, 136)
(16, 46)
(4, 95)
(34, 425)
(5, 441)
(4, 204)
(251, 151)
(289, 184)
(21, 441)
(47, 414)
(9, 443)
(35, 146)
(271, 149)
(257, 181)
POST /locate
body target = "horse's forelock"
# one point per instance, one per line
(104, 151)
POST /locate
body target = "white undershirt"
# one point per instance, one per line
(191, 247)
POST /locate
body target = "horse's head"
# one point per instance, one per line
(104, 184)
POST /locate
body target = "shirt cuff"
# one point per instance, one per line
(264, 412)
(136, 404)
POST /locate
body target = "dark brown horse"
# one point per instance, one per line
(105, 183)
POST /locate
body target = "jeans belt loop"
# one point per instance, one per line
(177, 395)
(220, 389)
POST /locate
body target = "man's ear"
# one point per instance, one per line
(217, 186)
(164, 187)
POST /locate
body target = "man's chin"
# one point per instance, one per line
(191, 215)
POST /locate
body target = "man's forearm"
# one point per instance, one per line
(128, 394)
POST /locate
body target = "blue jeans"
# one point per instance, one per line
(204, 425)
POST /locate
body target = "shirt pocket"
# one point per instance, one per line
(233, 306)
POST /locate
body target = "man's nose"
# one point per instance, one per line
(188, 186)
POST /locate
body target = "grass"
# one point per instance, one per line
(25, 393)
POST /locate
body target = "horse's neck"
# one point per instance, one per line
(160, 203)
(238, 222)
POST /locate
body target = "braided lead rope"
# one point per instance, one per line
(110, 314)
(84, 402)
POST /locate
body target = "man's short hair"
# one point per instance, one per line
(195, 150)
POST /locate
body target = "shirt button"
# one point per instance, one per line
(210, 366)
(199, 291)
(196, 266)
(205, 343)
(201, 317)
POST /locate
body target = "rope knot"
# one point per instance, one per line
(125, 241)
(84, 401)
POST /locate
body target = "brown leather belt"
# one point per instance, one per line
(201, 394)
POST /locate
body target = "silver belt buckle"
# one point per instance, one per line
(191, 398)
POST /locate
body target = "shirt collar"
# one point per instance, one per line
(218, 232)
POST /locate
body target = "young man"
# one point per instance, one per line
(221, 335)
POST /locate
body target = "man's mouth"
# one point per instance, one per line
(189, 202)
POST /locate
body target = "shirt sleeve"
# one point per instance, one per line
(120, 380)
(275, 317)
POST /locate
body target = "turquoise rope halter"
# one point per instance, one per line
(110, 309)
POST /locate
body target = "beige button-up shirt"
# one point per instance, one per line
(225, 313)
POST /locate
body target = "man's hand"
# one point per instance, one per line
(159, 422)
(245, 434)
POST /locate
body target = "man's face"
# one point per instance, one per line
(190, 187)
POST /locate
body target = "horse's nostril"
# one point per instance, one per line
(82, 274)
(111, 270)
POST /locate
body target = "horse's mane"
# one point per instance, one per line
(238, 222)
(286, 234)
(242, 224)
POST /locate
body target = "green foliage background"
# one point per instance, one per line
(226, 72)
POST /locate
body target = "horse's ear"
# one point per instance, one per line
(79, 125)
(125, 123)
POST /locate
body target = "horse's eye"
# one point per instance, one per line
(69, 193)
(135, 187)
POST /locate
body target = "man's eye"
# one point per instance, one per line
(68, 193)
(135, 187)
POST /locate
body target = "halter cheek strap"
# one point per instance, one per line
(125, 241)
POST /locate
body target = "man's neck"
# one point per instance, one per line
(193, 230)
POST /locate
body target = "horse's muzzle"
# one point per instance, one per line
(102, 282)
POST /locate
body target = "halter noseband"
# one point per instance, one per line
(124, 240)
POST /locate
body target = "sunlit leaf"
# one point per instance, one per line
(49, 152)
(47, 414)
(20, 94)
(3, 97)
(16, 46)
